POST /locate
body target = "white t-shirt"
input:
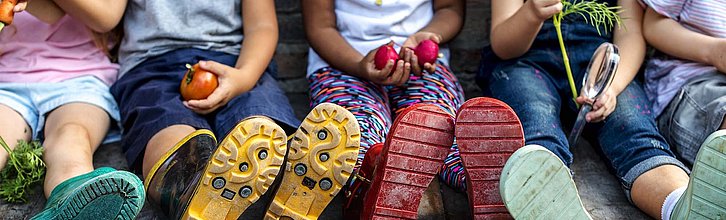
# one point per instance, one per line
(367, 26)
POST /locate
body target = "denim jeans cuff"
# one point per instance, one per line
(645, 166)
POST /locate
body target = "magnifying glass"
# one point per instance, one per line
(597, 80)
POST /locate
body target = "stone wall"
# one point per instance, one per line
(292, 49)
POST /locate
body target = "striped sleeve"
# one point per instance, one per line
(669, 8)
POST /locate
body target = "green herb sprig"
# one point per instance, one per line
(25, 168)
(600, 15)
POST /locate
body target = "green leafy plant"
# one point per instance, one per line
(596, 14)
(25, 168)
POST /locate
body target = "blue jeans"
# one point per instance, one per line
(535, 85)
(34, 101)
(149, 101)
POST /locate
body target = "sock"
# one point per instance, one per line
(670, 203)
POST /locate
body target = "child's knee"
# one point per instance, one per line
(72, 130)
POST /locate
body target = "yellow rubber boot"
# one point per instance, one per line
(241, 169)
(322, 155)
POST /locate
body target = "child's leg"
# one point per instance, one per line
(696, 111)
(536, 181)
(13, 128)
(420, 137)
(163, 139)
(639, 154)
(534, 97)
(441, 89)
(72, 133)
(651, 188)
(367, 101)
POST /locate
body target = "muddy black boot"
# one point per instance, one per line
(174, 177)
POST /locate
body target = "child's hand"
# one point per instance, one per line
(602, 107)
(232, 82)
(367, 70)
(408, 55)
(544, 9)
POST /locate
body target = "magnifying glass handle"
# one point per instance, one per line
(579, 125)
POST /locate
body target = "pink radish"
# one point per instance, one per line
(427, 52)
(384, 54)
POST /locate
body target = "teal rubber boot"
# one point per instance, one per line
(535, 184)
(705, 197)
(104, 193)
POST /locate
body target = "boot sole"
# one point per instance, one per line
(535, 184)
(418, 142)
(705, 196)
(328, 130)
(123, 185)
(241, 169)
(487, 132)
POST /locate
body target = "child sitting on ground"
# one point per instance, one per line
(54, 86)
(524, 68)
(406, 108)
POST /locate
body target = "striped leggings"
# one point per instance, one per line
(375, 106)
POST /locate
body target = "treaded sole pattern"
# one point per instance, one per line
(705, 197)
(487, 132)
(535, 184)
(419, 140)
(117, 183)
(241, 169)
(321, 158)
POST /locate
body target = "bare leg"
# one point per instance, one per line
(12, 128)
(651, 189)
(72, 133)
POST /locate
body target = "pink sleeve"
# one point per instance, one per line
(668, 8)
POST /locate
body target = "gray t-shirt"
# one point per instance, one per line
(155, 27)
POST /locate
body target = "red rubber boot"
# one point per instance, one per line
(487, 132)
(418, 142)
(362, 183)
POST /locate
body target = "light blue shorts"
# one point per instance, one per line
(35, 100)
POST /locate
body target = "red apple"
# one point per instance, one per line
(427, 52)
(383, 55)
(197, 83)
